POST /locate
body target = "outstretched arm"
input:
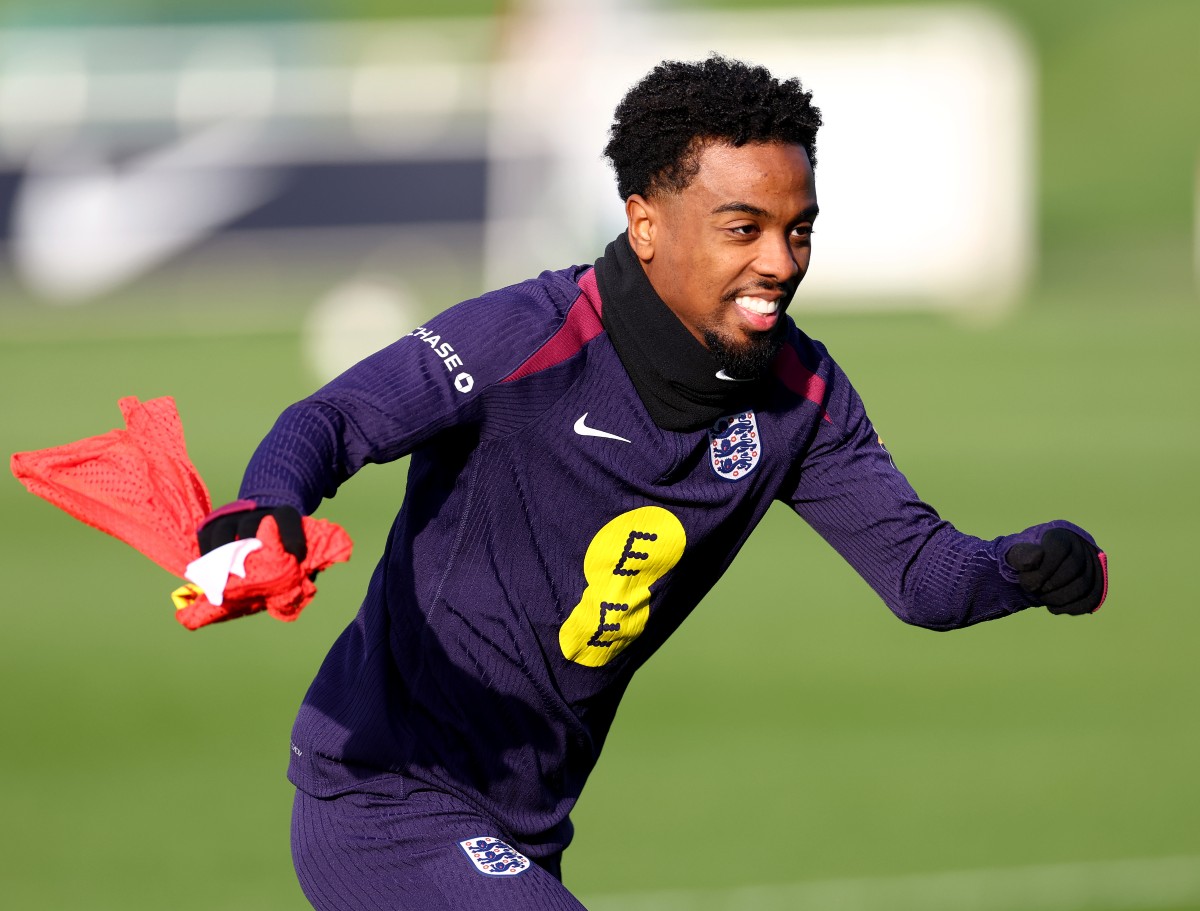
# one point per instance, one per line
(929, 573)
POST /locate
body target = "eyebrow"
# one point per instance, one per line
(747, 209)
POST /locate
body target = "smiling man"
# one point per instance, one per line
(590, 449)
(727, 252)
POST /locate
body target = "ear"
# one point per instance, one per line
(643, 216)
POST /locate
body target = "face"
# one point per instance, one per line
(727, 253)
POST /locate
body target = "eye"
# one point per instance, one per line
(744, 230)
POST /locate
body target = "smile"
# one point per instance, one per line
(758, 305)
(758, 314)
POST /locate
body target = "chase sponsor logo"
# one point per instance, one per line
(626, 557)
(493, 857)
(734, 445)
(463, 381)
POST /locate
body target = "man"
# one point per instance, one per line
(590, 449)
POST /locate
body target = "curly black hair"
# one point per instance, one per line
(662, 122)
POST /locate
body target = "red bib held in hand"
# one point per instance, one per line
(139, 486)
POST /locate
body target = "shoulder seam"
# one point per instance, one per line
(795, 375)
(580, 325)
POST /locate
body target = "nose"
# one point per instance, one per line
(778, 260)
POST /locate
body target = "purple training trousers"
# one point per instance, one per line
(425, 852)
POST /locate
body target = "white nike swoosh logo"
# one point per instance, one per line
(722, 375)
(584, 430)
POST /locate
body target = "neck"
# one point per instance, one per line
(676, 376)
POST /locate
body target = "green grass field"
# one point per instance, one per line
(793, 731)
(792, 724)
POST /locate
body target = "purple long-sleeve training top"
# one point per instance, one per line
(552, 536)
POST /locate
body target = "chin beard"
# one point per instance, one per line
(746, 360)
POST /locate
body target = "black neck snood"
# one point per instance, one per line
(674, 374)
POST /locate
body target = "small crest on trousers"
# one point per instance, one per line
(734, 445)
(494, 857)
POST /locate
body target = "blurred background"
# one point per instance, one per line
(230, 202)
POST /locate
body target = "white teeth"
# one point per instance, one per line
(758, 305)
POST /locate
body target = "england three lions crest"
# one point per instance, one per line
(734, 446)
(493, 857)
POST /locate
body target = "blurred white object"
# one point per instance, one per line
(123, 148)
(83, 226)
(355, 319)
(925, 164)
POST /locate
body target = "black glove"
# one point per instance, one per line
(241, 520)
(1063, 572)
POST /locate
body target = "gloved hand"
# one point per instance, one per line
(240, 519)
(1064, 572)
